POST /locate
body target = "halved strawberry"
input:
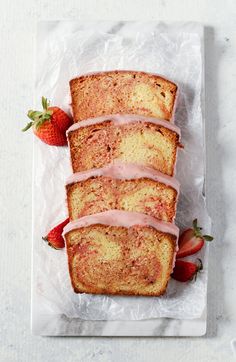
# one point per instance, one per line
(185, 270)
(54, 237)
(191, 241)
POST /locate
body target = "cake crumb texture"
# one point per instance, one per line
(98, 194)
(118, 260)
(142, 143)
(123, 92)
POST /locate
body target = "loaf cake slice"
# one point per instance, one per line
(124, 92)
(97, 142)
(118, 252)
(125, 187)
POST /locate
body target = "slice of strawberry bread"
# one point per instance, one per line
(125, 187)
(97, 142)
(123, 92)
(118, 252)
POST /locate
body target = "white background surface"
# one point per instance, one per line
(17, 29)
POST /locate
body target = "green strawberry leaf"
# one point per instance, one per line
(27, 126)
(39, 123)
(34, 114)
(37, 117)
(47, 115)
(198, 232)
(195, 223)
(208, 237)
(30, 114)
(45, 103)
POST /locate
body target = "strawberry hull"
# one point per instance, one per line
(50, 124)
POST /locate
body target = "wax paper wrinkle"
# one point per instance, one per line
(173, 51)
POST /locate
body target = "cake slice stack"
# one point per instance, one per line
(122, 195)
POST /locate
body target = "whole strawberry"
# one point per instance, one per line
(185, 271)
(54, 237)
(191, 241)
(50, 125)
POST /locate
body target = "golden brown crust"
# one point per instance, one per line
(143, 143)
(69, 191)
(123, 92)
(137, 267)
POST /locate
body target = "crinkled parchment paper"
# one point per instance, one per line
(67, 49)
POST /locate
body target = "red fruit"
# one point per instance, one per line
(50, 125)
(49, 133)
(54, 237)
(61, 119)
(191, 241)
(189, 244)
(185, 271)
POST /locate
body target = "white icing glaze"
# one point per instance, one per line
(122, 218)
(119, 170)
(118, 119)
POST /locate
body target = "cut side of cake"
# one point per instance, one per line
(123, 92)
(125, 187)
(94, 143)
(118, 252)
